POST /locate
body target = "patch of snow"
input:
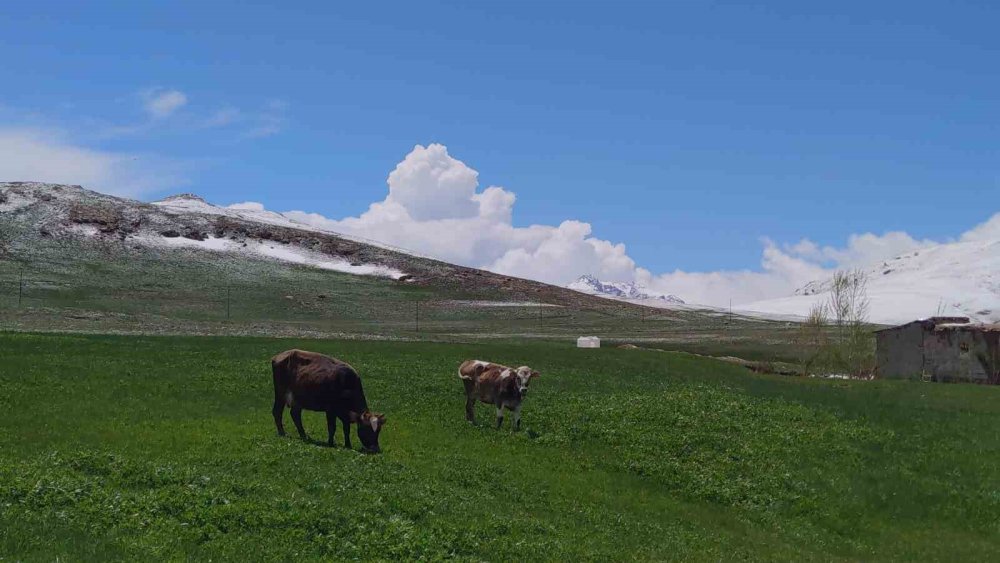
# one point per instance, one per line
(15, 201)
(190, 203)
(84, 230)
(270, 250)
(210, 243)
(500, 303)
(838, 376)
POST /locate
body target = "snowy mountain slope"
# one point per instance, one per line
(619, 290)
(191, 203)
(42, 222)
(961, 278)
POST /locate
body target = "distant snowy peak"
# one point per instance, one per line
(179, 198)
(959, 278)
(618, 290)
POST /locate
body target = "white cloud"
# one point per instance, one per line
(433, 208)
(988, 230)
(430, 184)
(223, 117)
(269, 121)
(160, 103)
(28, 154)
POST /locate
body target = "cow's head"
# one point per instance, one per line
(524, 377)
(369, 427)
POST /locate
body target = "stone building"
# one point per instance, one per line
(940, 349)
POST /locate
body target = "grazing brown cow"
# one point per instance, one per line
(496, 385)
(311, 381)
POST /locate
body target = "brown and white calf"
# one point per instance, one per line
(496, 385)
(311, 381)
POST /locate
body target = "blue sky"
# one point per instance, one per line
(685, 130)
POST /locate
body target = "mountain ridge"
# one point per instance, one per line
(590, 285)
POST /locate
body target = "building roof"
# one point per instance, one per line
(933, 323)
(949, 320)
(976, 327)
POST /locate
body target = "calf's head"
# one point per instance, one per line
(524, 377)
(369, 427)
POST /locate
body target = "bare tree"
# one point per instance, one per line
(813, 339)
(849, 305)
(849, 301)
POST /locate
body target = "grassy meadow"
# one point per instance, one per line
(138, 448)
(67, 285)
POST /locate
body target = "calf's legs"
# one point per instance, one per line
(470, 399)
(278, 411)
(470, 409)
(499, 416)
(347, 432)
(297, 419)
(331, 428)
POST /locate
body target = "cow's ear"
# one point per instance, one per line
(535, 374)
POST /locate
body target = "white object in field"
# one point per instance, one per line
(588, 342)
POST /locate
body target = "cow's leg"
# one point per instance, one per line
(331, 428)
(517, 417)
(499, 416)
(346, 422)
(297, 419)
(470, 400)
(279, 413)
(470, 409)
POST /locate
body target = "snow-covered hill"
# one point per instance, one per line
(51, 222)
(961, 278)
(619, 290)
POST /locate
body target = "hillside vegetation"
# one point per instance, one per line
(163, 447)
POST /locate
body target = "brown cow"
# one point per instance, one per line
(311, 381)
(496, 385)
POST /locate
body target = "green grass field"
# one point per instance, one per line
(163, 448)
(66, 285)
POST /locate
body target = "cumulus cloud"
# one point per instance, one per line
(46, 156)
(434, 207)
(160, 103)
(988, 230)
